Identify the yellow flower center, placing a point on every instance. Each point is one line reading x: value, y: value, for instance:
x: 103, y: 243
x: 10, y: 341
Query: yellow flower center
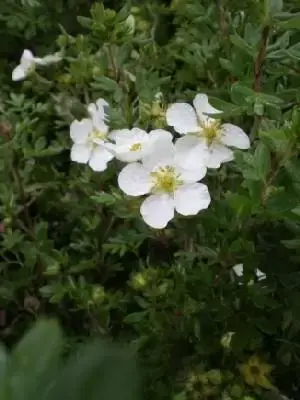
x: 96, y: 134
x: 210, y: 130
x: 136, y: 147
x: 165, y: 180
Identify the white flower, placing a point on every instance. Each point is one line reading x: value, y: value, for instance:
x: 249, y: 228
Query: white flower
x: 28, y: 63
x: 239, y: 271
x: 132, y: 145
x: 170, y: 186
x: 90, y: 138
x: 206, y: 131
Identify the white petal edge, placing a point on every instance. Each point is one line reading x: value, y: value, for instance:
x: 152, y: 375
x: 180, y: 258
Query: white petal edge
x: 162, y: 153
x: 238, y: 270
x: 99, y: 159
x: 191, y: 198
x: 191, y: 175
x: 135, y: 135
x: 126, y: 155
x: 80, y: 153
x: 219, y: 154
x: 191, y: 152
x: 27, y: 59
x: 203, y: 107
x: 18, y: 74
x: 117, y: 134
x: 234, y: 136
x: 79, y: 130
x: 182, y: 117
x: 134, y: 180
x: 260, y: 275
x: 157, y: 210
x: 160, y: 134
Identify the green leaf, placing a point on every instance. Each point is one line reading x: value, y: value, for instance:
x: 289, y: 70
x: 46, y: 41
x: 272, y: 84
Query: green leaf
x: 85, y: 22
x: 106, y: 84
x: 241, y: 44
x: 293, y: 23
x: 274, y: 6
x: 262, y: 161
x: 35, y: 360
x: 135, y: 317
x: 104, y: 198
x: 241, y: 94
x: 99, y: 370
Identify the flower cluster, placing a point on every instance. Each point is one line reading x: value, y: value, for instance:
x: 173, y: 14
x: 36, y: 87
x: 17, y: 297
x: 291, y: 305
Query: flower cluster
x: 168, y: 171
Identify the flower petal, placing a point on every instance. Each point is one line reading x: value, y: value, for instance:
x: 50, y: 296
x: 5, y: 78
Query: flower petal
x: 157, y: 210
x: 27, y: 59
x: 123, y: 153
x: 234, y: 136
x: 260, y: 275
x: 119, y: 135
x: 80, y: 153
x: 99, y: 124
x: 99, y: 108
x: 134, y: 180
x: 160, y: 134
x: 79, y: 130
x: 99, y: 158
x: 203, y: 107
x: 191, y: 152
x: 182, y: 117
x: 238, y: 270
x: 18, y: 73
x: 161, y: 154
x: 191, y: 198
x: 218, y: 154
x: 192, y: 175
x: 135, y: 135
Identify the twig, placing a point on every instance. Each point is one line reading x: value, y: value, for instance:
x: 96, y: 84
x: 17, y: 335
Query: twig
x: 113, y: 64
x: 259, y: 61
x: 223, y: 24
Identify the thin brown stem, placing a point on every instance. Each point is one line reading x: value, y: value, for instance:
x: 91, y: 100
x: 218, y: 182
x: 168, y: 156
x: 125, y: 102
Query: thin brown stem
x: 222, y: 19
x: 113, y: 65
x: 259, y: 61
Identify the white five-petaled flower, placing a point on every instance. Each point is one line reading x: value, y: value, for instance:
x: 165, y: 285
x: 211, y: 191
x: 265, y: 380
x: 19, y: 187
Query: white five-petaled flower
x: 90, y: 137
x: 239, y: 271
x: 170, y: 186
x: 134, y: 144
x: 206, y: 137
x: 28, y: 63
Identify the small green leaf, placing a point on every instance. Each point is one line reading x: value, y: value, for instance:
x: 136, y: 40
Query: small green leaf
x: 241, y: 44
x: 106, y: 84
x: 262, y: 161
x: 274, y: 6
x: 85, y: 22
x: 293, y: 23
